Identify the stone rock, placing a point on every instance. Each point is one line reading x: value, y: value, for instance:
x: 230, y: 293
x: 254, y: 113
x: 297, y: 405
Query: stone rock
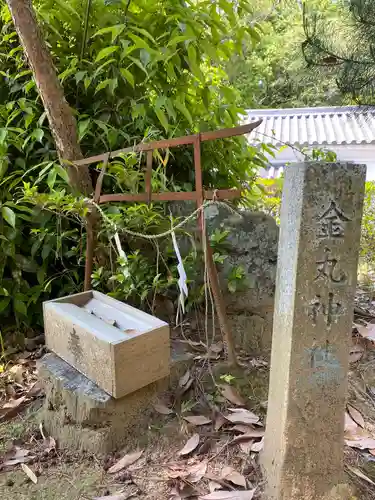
x: 81, y: 416
x: 252, y: 244
x: 252, y: 332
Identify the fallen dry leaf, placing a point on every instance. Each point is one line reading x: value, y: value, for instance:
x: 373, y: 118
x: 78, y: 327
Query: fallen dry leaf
x: 49, y: 444
x: 120, y: 496
x: 231, y: 394
x: 206, y: 446
x: 246, y: 446
x: 183, y: 491
x: 258, y: 446
x: 29, y: 473
x: 176, y: 471
x: 14, y: 403
x: 16, y: 373
x: 356, y: 415
x: 220, y: 420
x: 216, y: 348
x: 361, y: 443
x: 190, y: 445
x: 360, y: 474
x: 12, y: 408
x: 125, y: 461
x: 34, y: 390
x: 17, y: 461
x: 196, y: 472
x: 229, y: 495
x: 242, y: 417
x: 17, y: 456
x: 198, y: 420
x: 184, y: 379
x: 162, y: 409
x: 214, y: 486
x: 243, y: 428
x: 368, y: 332
x: 255, y: 433
x: 356, y: 353
x: 350, y: 425
x: 231, y: 475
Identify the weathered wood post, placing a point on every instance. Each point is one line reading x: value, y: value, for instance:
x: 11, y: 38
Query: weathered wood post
x: 317, y: 269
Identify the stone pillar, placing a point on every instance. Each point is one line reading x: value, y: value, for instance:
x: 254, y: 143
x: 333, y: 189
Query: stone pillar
x: 316, y: 279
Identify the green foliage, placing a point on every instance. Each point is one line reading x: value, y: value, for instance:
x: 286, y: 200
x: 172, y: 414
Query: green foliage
x: 271, y: 189
x: 368, y: 226
x: 131, y: 72
x: 273, y: 73
x: 345, y: 49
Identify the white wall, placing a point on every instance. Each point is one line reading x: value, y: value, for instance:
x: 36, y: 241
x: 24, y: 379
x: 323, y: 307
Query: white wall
x: 356, y: 153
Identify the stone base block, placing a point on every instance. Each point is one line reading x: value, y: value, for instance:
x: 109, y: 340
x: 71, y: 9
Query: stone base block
x: 81, y: 416
x: 252, y: 332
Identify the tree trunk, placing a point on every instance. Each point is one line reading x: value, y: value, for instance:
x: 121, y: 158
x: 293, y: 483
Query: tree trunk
x: 61, y: 120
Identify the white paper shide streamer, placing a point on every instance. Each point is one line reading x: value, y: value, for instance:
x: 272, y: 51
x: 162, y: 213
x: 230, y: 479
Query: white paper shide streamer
x: 182, y: 280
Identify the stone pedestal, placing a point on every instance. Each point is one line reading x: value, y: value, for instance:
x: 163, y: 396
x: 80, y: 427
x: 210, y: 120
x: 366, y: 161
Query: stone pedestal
x: 316, y: 279
x: 81, y: 416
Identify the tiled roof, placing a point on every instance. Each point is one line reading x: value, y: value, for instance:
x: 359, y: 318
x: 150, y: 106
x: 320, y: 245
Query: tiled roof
x: 314, y: 126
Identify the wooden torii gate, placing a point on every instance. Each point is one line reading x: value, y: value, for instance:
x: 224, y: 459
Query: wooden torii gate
x: 199, y: 196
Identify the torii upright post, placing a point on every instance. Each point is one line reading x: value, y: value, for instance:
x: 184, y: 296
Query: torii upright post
x: 199, y: 195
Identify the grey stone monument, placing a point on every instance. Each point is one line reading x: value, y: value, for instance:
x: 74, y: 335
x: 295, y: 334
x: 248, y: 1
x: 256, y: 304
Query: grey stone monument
x: 316, y: 279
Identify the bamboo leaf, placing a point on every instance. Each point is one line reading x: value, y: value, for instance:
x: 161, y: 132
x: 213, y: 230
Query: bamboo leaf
x: 128, y: 76
x: 106, y: 52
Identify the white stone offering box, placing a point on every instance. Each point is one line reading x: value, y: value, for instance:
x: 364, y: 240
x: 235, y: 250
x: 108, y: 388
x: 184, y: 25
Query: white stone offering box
x: 119, y: 347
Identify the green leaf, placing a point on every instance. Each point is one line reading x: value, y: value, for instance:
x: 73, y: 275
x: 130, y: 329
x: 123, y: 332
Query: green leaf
x: 170, y: 109
x: 51, y: 179
x: 80, y: 75
x: 4, y: 304
x: 178, y: 39
x: 139, y: 42
x: 139, y: 64
x: 115, y: 31
x: 128, y: 76
x: 193, y: 63
x: 28, y: 86
x: 144, y: 33
x: 107, y: 51
x: 145, y: 57
x: 9, y: 216
x: 87, y: 83
x: 20, y: 307
x: 162, y: 118
x: 3, y: 135
x: 103, y: 85
x: 61, y: 172
x: 38, y: 133
x: 41, y: 275
x: 183, y: 109
x: 83, y: 127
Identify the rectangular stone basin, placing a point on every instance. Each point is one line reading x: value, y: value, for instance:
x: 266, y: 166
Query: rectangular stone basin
x: 119, y: 347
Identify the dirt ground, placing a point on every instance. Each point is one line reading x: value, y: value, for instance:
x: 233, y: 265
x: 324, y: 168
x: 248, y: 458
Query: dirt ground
x: 161, y: 472
x: 77, y: 476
